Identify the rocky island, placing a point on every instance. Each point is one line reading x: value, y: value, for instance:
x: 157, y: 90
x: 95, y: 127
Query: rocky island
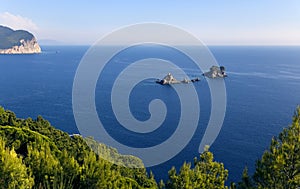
x: 17, y: 42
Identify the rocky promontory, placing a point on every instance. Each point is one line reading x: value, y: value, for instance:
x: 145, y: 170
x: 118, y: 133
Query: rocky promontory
x: 17, y: 42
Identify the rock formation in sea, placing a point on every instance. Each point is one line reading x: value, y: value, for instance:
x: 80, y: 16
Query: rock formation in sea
x: 17, y: 42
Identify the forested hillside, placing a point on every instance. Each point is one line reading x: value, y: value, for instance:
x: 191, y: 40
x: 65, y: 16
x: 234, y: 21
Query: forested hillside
x: 33, y: 154
x: 10, y: 38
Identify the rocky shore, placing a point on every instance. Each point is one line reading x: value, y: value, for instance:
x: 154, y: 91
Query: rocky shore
x: 25, y: 47
x: 17, y: 42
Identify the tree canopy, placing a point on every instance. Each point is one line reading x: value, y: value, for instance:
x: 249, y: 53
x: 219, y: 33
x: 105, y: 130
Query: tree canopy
x: 10, y: 38
x: 279, y: 166
x: 206, y: 173
x: 33, y: 154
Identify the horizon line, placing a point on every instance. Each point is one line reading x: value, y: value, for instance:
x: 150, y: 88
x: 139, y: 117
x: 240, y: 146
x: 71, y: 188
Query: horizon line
x: 213, y: 44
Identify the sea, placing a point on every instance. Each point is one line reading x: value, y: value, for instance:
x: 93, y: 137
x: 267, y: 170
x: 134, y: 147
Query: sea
x: 262, y: 92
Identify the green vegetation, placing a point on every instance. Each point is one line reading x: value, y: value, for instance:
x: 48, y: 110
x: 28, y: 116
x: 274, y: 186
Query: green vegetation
x: 205, y: 174
x: 279, y: 167
x: 10, y: 38
x: 13, y: 173
x: 112, y: 155
x: 33, y: 154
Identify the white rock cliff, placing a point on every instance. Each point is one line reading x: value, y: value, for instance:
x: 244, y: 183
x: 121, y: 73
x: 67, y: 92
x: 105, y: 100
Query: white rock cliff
x: 25, y: 47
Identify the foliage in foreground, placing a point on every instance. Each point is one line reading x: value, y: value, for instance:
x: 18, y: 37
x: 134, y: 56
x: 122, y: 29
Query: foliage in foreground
x: 279, y: 167
x: 206, y: 173
x: 13, y: 173
x: 33, y: 154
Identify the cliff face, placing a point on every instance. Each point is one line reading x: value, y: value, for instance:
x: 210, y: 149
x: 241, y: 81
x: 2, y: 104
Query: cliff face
x: 25, y: 47
x: 17, y: 42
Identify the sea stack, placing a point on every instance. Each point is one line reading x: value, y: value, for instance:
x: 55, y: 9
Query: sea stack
x: 17, y: 42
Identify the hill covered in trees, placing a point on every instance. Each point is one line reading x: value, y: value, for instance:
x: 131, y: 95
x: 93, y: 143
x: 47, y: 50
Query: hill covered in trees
x: 33, y: 154
x: 17, y: 41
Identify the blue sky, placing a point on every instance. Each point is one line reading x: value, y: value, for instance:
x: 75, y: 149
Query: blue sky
x: 230, y: 22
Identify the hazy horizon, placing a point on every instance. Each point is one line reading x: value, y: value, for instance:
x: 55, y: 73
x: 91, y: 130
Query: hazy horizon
x: 269, y: 22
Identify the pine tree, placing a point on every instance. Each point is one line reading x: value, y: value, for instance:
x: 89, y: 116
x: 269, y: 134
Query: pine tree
x: 44, y: 166
x: 246, y: 182
x: 13, y: 173
x: 206, y: 174
x: 279, y: 167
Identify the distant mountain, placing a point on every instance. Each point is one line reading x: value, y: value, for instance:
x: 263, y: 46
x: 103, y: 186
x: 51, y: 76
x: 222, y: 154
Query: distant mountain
x: 50, y: 42
x: 17, y: 42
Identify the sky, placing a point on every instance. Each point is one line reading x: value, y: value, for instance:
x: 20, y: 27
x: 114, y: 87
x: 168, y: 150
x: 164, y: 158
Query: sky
x: 214, y: 22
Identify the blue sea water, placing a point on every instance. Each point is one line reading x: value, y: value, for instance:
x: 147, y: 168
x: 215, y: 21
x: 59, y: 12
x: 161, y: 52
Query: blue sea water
x: 263, y: 89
